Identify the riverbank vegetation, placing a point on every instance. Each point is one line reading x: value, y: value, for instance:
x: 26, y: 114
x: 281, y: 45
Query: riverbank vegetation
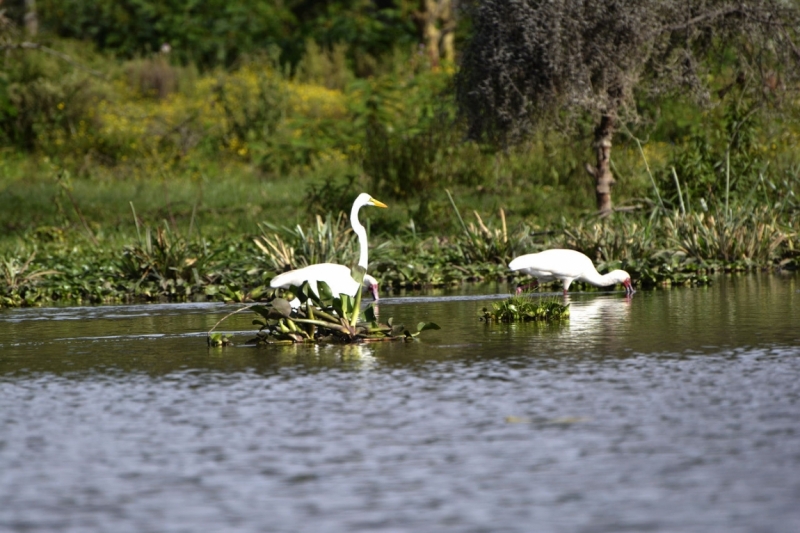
x: 132, y: 170
x: 299, y: 315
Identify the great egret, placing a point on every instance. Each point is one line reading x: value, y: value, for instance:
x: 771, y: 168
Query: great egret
x: 338, y: 277
x: 568, y: 266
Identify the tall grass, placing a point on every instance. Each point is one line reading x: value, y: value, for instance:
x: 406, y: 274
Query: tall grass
x: 329, y: 240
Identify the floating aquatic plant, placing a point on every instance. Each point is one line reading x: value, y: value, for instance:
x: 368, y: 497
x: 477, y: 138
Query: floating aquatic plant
x: 219, y: 339
x: 320, y: 318
x: 526, y: 308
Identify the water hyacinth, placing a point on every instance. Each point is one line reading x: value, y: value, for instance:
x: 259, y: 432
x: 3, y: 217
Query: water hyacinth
x: 526, y: 308
x: 320, y: 319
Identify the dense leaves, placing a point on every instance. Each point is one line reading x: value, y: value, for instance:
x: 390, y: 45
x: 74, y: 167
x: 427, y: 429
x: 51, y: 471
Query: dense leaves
x: 529, y: 59
x: 526, y: 308
x: 218, y: 32
x: 208, y: 33
x: 322, y: 318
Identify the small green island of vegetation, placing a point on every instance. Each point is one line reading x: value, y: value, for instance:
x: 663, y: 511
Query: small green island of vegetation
x: 153, y: 151
x: 300, y: 315
x: 524, y: 307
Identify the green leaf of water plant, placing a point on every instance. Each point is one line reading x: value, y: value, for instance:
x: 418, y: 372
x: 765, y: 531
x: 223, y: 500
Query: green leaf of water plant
x: 423, y: 326
x: 256, y: 293
x: 347, y: 304
x: 338, y: 307
x: 304, y: 292
x: 325, y: 292
x: 282, y: 306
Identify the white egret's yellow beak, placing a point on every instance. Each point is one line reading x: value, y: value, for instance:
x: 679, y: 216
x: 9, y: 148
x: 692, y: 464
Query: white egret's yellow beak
x: 376, y: 203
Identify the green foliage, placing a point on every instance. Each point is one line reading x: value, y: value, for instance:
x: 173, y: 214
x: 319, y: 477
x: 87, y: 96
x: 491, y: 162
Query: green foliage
x: 153, y: 77
x: 681, y: 249
x: 254, y: 106
x: 212, y: 32
x: 18, y: 282
x: 526, y: 308
x: 219, y: 339
x: 218, y: 32
x: 328, y: 241
x: 166, y: 265
x: 483, y: 245
x: 406, y: 164
x: 721, y: 159
x: 329, y: 196
x: 43, y: 101
x: 370, y: 29
x: 324, y: 319
x: 324, y: 66
x: 747, y: 237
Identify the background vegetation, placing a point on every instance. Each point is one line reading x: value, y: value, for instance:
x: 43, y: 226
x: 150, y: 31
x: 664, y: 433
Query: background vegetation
x: 133, y: 169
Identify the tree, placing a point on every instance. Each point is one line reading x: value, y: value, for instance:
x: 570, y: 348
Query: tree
x: 536, y: 62
x: 437, y: 22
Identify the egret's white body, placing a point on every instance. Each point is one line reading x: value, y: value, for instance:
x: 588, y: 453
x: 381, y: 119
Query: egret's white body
x: 338, y: 277
x: 568, y: 266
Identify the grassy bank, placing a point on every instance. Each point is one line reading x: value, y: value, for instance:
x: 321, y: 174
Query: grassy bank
x: 144, y: 179
x: 157, y: 262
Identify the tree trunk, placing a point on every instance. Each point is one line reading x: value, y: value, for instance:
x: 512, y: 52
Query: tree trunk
x: 430, y: 31
x: 31, y: 20
x: 448, y: 17
x: 437, y: 19
x: 603, y: 179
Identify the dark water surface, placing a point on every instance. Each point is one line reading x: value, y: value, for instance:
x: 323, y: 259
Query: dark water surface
x: 676, y: 411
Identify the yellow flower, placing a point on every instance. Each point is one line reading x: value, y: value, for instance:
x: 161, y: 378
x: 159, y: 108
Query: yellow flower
x: 60, y: 105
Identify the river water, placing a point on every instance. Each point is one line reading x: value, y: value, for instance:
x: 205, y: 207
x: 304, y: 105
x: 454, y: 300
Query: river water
x: 678, y: 410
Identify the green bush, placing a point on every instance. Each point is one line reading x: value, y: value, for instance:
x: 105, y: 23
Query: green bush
x: 208, y: 33
x: 44, y: 102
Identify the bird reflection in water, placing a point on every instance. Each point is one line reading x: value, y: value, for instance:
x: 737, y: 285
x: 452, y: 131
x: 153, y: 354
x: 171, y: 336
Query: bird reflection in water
x: 598, y: 316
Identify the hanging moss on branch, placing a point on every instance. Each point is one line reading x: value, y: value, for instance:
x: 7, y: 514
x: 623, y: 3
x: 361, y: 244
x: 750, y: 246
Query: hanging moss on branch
x: 320, y: 319
x: 526, y: 308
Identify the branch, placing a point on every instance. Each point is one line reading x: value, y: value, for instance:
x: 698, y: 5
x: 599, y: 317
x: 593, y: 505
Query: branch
x: 25, y: 45
x: 701, y: 18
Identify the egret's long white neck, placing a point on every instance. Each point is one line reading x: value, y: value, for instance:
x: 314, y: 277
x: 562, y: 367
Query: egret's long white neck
x: 363, y: 258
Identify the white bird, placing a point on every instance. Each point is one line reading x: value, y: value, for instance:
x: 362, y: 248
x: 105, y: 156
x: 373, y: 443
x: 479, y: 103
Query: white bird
x: 338, y: 277
x: 568, y: 266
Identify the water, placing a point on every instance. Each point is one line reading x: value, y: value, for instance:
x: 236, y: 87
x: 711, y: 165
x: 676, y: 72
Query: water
x: 676, y: 411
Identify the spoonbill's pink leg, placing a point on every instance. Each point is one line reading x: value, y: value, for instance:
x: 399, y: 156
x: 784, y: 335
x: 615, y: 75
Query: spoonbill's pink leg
x: 521, y: 288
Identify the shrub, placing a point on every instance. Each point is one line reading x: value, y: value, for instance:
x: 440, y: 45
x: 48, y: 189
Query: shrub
x: 328, y: 241
x: 153, y: 77
x: 43, y: 102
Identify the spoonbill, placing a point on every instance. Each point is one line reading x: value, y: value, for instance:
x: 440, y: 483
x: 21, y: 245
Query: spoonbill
x: 338, y: 277
x: 568, y: 266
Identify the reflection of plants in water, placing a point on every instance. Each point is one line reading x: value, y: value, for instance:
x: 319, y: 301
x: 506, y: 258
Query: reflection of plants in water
x: 526, y: 308
x: 321, y: 318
